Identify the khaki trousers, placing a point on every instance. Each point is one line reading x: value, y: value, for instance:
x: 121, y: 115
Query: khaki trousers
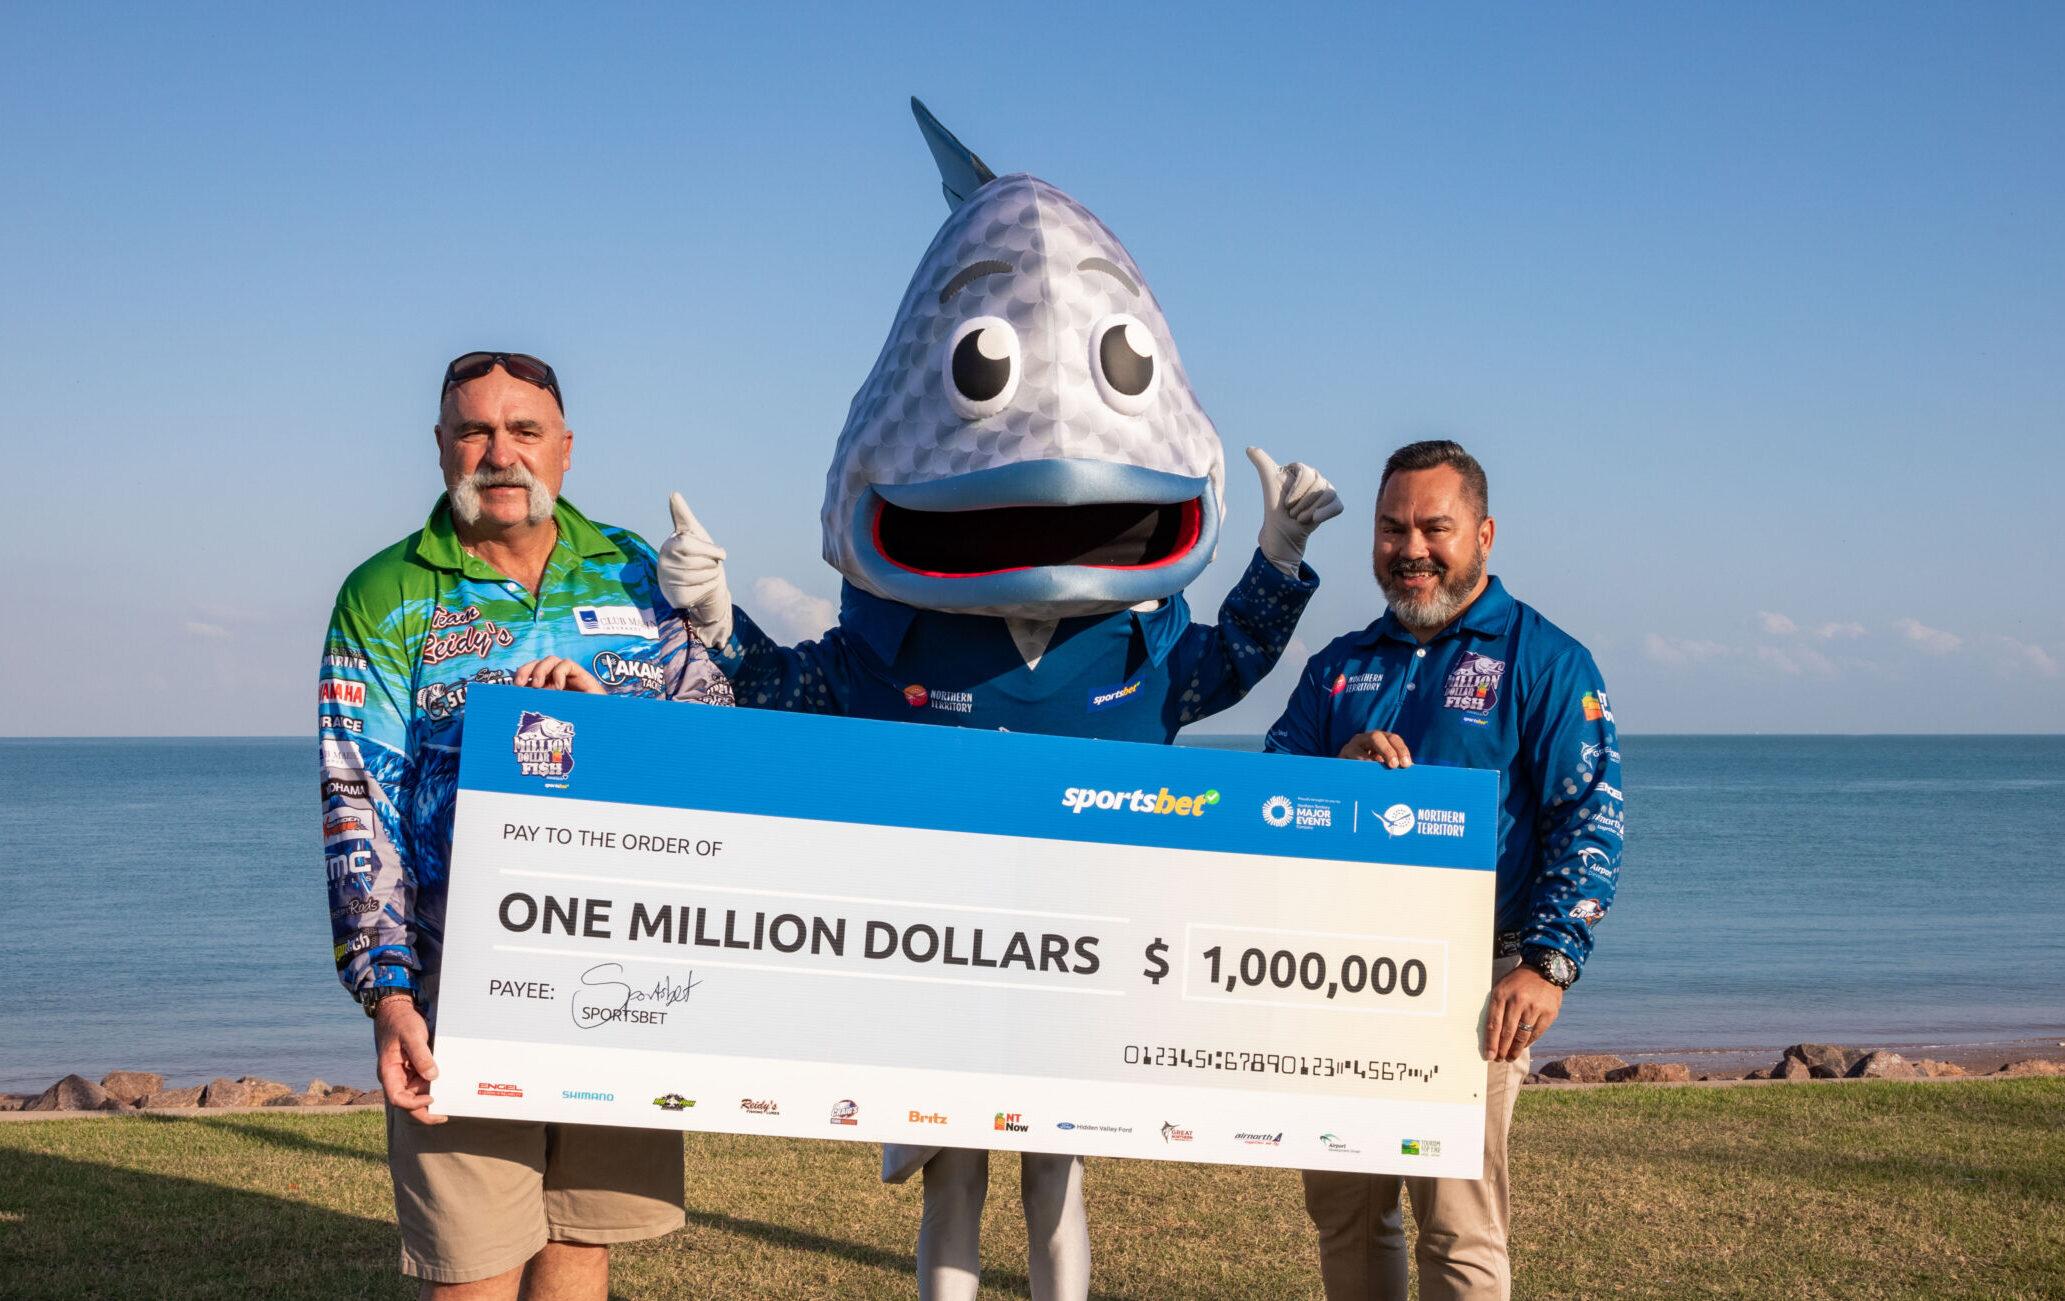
x: 1462, y: 1222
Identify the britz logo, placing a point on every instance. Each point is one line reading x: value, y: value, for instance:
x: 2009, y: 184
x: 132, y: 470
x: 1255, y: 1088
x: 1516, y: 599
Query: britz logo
x: 1078, y: 798
x: 341, y: 691
x: 544, y: 745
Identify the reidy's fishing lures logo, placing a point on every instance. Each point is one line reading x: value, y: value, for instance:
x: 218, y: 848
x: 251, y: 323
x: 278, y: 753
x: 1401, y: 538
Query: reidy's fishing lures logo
x: 544, y: 746
x: 1077, y: 798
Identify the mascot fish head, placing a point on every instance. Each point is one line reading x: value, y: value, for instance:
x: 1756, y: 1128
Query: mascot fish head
x: 1027, y: 444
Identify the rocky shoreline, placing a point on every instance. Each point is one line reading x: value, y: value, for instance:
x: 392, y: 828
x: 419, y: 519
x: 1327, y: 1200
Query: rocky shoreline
x: 146, y: 1091
x: 1807, y: 1061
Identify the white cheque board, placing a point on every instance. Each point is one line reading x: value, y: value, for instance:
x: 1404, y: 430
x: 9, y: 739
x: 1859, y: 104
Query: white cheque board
x: 677, y: 916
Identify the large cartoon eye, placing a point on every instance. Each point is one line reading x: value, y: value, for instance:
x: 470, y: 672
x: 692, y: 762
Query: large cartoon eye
x: 1122, y: 358
x: 982, y: 366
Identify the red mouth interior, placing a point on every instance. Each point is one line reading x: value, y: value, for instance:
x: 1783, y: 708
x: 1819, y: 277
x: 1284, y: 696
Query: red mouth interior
x: 977, y: 543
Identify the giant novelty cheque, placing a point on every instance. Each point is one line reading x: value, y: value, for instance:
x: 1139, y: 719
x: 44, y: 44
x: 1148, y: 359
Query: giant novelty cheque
x: 673, y: 916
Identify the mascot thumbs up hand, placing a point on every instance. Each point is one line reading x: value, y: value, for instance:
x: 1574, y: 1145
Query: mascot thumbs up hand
x: 692, y: 577
x: 1296, y: 499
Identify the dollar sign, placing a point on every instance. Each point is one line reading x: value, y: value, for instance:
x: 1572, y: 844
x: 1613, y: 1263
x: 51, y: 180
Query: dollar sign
x: 1157, y: 967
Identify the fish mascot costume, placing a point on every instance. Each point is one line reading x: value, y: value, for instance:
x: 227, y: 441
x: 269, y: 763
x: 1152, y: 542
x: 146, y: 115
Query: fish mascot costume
x: 1023, y: 489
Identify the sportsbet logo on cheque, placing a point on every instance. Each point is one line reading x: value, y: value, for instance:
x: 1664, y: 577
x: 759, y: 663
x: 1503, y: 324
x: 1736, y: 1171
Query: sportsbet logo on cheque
x: 1078, y: 798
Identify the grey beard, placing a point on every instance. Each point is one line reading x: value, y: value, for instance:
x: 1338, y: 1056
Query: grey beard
x: 466, y: 504
x: 1434, y: 611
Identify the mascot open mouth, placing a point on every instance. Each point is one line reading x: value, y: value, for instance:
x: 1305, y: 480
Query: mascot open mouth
x: 1001, y: 539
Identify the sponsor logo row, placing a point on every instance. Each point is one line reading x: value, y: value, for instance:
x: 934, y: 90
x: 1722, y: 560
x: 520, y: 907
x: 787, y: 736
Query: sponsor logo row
x: 848, y: 1112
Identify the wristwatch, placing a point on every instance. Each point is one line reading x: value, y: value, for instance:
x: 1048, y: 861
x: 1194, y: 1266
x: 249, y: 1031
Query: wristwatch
x: 371, y: 999
x: 1554, y: 967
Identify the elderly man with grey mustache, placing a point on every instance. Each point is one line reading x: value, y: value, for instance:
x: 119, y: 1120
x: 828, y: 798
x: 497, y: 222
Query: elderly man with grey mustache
x: 505, y: 583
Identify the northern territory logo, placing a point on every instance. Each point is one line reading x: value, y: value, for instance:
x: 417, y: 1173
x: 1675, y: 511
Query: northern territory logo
x: 544, y: 746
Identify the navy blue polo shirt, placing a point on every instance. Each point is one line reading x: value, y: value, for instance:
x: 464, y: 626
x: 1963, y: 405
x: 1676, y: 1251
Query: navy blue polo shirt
x: 1134, y: 675
x: 1503, y: 689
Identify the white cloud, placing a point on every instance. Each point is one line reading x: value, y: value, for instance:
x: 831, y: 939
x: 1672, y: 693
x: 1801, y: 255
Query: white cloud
x: 2022, y: 655
x: 1832, y: 631
x: 199, y: 629
x: 1680, y: 651
x: 1776, y: 624
x: 789, y: 613
x: 1933, y: 641
x: 1796, y: 661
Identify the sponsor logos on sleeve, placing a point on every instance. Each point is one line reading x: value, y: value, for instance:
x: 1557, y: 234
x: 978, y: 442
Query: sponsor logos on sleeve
x: 341, y: 691
x: 1596, y: 707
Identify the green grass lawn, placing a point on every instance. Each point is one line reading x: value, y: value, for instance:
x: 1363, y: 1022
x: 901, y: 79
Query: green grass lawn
x: 1854, y: 1190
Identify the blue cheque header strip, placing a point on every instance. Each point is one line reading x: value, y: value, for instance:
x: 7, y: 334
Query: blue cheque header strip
x: 824, y: 769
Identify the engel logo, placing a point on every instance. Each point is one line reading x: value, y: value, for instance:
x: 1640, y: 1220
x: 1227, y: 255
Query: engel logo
x: 1078, y: 798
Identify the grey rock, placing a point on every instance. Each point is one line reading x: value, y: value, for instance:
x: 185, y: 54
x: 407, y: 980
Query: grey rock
x: 1791, y: 1068
x: 131, y: 1086
x: 1651, y: 1073
x: 189, y: 1097
x: 370, y: 1098
x: 225, y: 1092
x: 1883, y: 1065
x: 1582, y: 1068
x: 72, y: 1093
x: 15, y: 1101
x: 2033, y: 1066
x: 1821, y: 1072
x: 1935, y: 1070
x: 1757, y: 1073
x: 1836, y: 1057
x: 263, y: 1090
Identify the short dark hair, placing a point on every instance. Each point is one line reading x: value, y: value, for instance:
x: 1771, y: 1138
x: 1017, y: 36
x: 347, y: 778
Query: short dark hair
x: 1435, y: 453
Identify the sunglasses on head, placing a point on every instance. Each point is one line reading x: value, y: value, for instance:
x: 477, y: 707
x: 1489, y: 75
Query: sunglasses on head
x: 520, y: 365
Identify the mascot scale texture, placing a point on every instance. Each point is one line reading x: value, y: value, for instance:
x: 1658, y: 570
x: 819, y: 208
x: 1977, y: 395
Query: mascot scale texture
x: 1024, y: 486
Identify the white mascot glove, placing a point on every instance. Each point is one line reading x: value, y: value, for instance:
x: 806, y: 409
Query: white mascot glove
x: 692, y: 576
x: 1296, y: 499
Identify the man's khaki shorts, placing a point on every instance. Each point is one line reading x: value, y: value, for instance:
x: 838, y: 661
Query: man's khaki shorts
x: 476, y: 1198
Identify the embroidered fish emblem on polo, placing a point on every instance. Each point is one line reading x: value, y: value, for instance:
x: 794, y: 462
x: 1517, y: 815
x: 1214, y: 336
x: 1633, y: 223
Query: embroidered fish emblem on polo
x: 1473, y: 684
x: 1027, y: 442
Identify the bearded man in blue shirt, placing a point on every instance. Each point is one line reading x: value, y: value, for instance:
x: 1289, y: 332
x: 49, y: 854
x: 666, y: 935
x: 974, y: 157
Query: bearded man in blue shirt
x: 1458, y: 673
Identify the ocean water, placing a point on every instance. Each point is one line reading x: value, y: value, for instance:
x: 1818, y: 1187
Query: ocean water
x: 164, y: 903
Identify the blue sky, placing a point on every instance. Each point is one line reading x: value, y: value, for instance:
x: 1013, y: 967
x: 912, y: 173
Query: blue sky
x: 1756, y: 316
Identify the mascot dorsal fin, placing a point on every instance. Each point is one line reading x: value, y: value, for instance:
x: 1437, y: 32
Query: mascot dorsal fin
x: 961, y: 173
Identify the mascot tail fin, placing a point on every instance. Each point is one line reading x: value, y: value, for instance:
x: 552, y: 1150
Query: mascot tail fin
x: 961, y: 173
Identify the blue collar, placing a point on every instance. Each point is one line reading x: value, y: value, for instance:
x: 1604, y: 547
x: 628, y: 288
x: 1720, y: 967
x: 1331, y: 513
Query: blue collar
x: 1490, y: 615
x: 883, y: 624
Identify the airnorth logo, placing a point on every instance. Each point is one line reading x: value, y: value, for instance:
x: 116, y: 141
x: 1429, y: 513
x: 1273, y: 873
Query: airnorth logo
x: 1078, y: 798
